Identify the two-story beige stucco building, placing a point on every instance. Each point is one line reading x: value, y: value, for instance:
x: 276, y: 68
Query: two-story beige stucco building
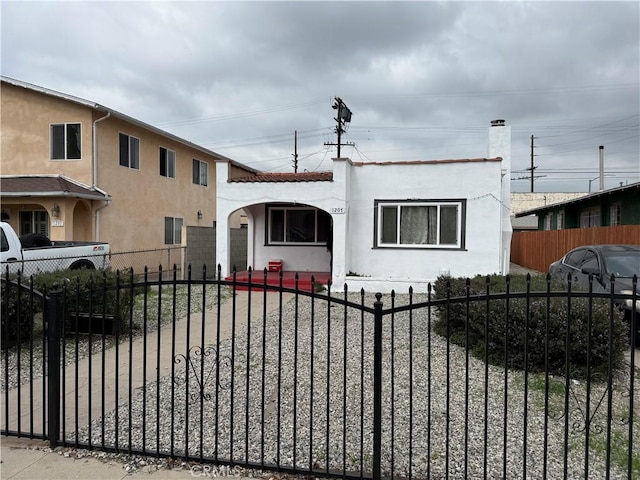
x: 76, y: 170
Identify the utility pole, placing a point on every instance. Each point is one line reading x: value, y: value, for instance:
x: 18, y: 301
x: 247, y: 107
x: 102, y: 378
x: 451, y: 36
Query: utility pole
x: 532, y: 166
x: 342, y: 118
x: 295, y: 151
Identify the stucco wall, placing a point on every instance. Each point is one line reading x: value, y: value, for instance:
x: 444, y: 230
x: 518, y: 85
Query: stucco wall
x: 477, y: 184
x: 25, y: 128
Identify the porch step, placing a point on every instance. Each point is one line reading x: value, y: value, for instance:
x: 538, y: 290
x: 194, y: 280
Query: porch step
x: 288, y: 280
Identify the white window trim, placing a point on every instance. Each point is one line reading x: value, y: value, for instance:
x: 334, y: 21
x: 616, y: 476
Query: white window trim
x: 167, y: 162
x: 285, y: 242
x: 438, y: 204
x: 560, y: 219
x: 200, y: 162
x: 129, y: 159
x: 615, y: 211
x: 175, y: 232
x: 65, y: 159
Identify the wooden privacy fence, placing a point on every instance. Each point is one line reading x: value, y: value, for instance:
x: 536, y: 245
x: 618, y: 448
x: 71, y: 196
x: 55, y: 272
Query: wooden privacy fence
x: 536, y: 250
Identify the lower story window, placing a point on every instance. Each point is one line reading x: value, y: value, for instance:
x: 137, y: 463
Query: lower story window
x: 419, y: 224
x: 172, y: 230
x: 615, y: 215
x: 298, y: 225
x: 36, y: 221
x: 590, y: 218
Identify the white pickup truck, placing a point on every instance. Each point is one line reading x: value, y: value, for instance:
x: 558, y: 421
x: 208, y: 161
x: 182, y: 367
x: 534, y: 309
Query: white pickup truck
x: 32, y: 254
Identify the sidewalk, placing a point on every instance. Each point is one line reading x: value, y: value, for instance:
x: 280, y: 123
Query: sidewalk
x: 24, y: 459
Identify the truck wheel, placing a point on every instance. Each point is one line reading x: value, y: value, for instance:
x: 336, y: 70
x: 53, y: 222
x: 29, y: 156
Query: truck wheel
x: 82, y: 265
x: 34, y: 240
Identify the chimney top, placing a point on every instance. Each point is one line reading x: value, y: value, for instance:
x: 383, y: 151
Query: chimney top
x: 497, y: 123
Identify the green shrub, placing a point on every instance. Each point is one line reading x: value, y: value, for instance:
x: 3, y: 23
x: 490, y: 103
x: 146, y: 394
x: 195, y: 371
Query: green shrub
x: 85, y: 291
x: 18, y: 310
x: 487, y: 325
x: 88, y: 291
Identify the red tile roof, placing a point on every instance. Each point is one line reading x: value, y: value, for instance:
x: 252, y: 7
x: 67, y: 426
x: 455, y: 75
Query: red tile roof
x: 285, y: 177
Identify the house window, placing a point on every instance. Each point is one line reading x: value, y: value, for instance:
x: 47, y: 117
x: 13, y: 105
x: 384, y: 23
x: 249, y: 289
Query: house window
x: 36, y: 221
x: 66, y: 141
x: 129, y: 151
x: 172, y: 230
x: 167, y: 163
x: 547, y: 221
x: 560, y: 220
x: 590, y: 218
x: 615, y: 215
x: 419, y: 224
x: 298, y: 225
x: 200, y: 172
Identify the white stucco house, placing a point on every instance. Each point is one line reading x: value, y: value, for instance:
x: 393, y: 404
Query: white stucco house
x: 378, y: 226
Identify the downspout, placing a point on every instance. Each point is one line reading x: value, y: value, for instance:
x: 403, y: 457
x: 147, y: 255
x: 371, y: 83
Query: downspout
x: 94, y: 133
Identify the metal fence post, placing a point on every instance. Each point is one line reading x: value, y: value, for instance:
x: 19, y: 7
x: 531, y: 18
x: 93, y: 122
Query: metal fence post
x: 377, y: 387
x: 54, y: 322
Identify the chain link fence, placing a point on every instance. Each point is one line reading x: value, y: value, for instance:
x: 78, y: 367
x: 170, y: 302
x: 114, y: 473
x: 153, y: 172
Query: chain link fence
x: 153, y: 260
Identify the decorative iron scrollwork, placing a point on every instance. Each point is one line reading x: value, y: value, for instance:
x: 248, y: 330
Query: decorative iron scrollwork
x: 600, y: 389
x: 204, y: 366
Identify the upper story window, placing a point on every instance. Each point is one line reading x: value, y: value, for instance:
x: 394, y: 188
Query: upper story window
x: 129, y: 151
x: 420, y: 224
x: 167, y: 163
x: 200, y: 172
x: 298, y: 225
x: 66, y: 141
x: 560, y: 220
x: 615, y: 214
x: 590, y: 218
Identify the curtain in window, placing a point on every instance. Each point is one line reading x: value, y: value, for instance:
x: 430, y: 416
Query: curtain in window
x: 418, y: 225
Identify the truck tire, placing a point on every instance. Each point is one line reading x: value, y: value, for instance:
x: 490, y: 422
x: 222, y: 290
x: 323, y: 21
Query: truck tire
x: 82, y: 265
x: 34, y: 240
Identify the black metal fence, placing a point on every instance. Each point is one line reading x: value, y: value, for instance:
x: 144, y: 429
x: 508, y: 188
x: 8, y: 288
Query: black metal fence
x: 335, y: 383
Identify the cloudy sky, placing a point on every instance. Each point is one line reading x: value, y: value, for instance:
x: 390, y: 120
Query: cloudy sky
x: 423, y: 79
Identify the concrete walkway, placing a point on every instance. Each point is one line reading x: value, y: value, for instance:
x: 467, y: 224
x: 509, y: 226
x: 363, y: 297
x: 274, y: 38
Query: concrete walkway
x: 150, y: 358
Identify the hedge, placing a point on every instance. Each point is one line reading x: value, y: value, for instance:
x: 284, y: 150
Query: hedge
x: 547, y: 319
x: 90, y: 291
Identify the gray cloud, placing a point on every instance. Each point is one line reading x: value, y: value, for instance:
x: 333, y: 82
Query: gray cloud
x: 422, y: 78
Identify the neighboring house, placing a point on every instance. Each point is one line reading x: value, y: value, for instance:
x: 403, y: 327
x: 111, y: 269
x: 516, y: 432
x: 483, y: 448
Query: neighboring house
x: 76, y: 170
x: 379, y: 226
x: 526, y: 201
x: 616, y: 206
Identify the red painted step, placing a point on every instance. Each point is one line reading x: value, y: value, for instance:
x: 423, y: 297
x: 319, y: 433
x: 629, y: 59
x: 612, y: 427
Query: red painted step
x: 273, y: 278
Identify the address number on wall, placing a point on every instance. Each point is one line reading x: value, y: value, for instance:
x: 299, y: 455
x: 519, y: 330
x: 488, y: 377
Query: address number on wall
x: 337, y: 210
